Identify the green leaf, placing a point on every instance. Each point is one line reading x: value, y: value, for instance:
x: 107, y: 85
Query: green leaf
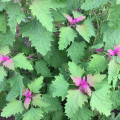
x: 86, y: 30
x: 115, y: 98
x: 114, y: 13
x: 6, y: 0
x: 113, y: 70
x: 82, y: 114
x: 111, y: 37
x: 4, y: 50
x: 67, y: 35
x: 2, y: 5
x: 97, y: 64
x: 7, y: 39
x: 76, y: 51
x: 39, y: 101
x: 3, y: 86
x: 38, y: 35
x: 21, y: 62
x: 75, y: 99
x: 2, y: 99
x: 42, y: 68
x: 77, y: 14
x: 73, y: 4
x: 118, y: 2
x: 35, y: 85
x: 102, y: 84
x: 53, y: 104
x: 3, y: 23
x: 2, y: 74
x: 33, y: 114
x: 93, y: 80
x: 12, y: 108
x: 59, y: 115
x: 15, y: 15
x: 100, y: 101
x: 75, y: 70
x: 90, y: 4
x: 58, y: 15
x: 59, y: 87
x: 56, y: 58
x: 43, y: 13
x: 16, y: 88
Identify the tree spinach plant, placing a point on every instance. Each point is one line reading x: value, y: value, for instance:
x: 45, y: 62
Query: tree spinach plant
x: 60, y: 59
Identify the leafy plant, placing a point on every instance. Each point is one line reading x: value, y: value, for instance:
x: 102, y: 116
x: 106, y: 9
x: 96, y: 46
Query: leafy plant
x: 60, y: 59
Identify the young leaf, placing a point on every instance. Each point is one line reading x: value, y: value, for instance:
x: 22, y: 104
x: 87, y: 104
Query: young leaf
x: 75, y: 70
x: 21, y: 62
x: 12, y: 108
x: 4, y: 50
x: 9, y: 64
x: 94, y: 79
x: 86, y: 30
x: 36, y: 85
x: 59, y: 87
x: 75, y: 100
x: 33, y: 114
x: 67, y: 35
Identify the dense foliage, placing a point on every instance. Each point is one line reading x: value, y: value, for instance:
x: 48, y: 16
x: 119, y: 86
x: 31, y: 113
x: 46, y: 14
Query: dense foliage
x: 60, y: 59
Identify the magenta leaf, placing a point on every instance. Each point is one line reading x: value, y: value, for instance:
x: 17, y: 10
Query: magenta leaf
x: 27, y: 102
x: 6, y: 58
x: 25, y: 91
x: 111, y: 52
x: 90, y: 79
x: 76, y: 80
x: 99, y: 50
x: 69, y: 18
x: 28, y: 95
x: 83, y: 86
x: 75, y: 20
x: 9, y: 64
x: 80, y: 19
x: 85, y: 89
x: 1, y: 58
